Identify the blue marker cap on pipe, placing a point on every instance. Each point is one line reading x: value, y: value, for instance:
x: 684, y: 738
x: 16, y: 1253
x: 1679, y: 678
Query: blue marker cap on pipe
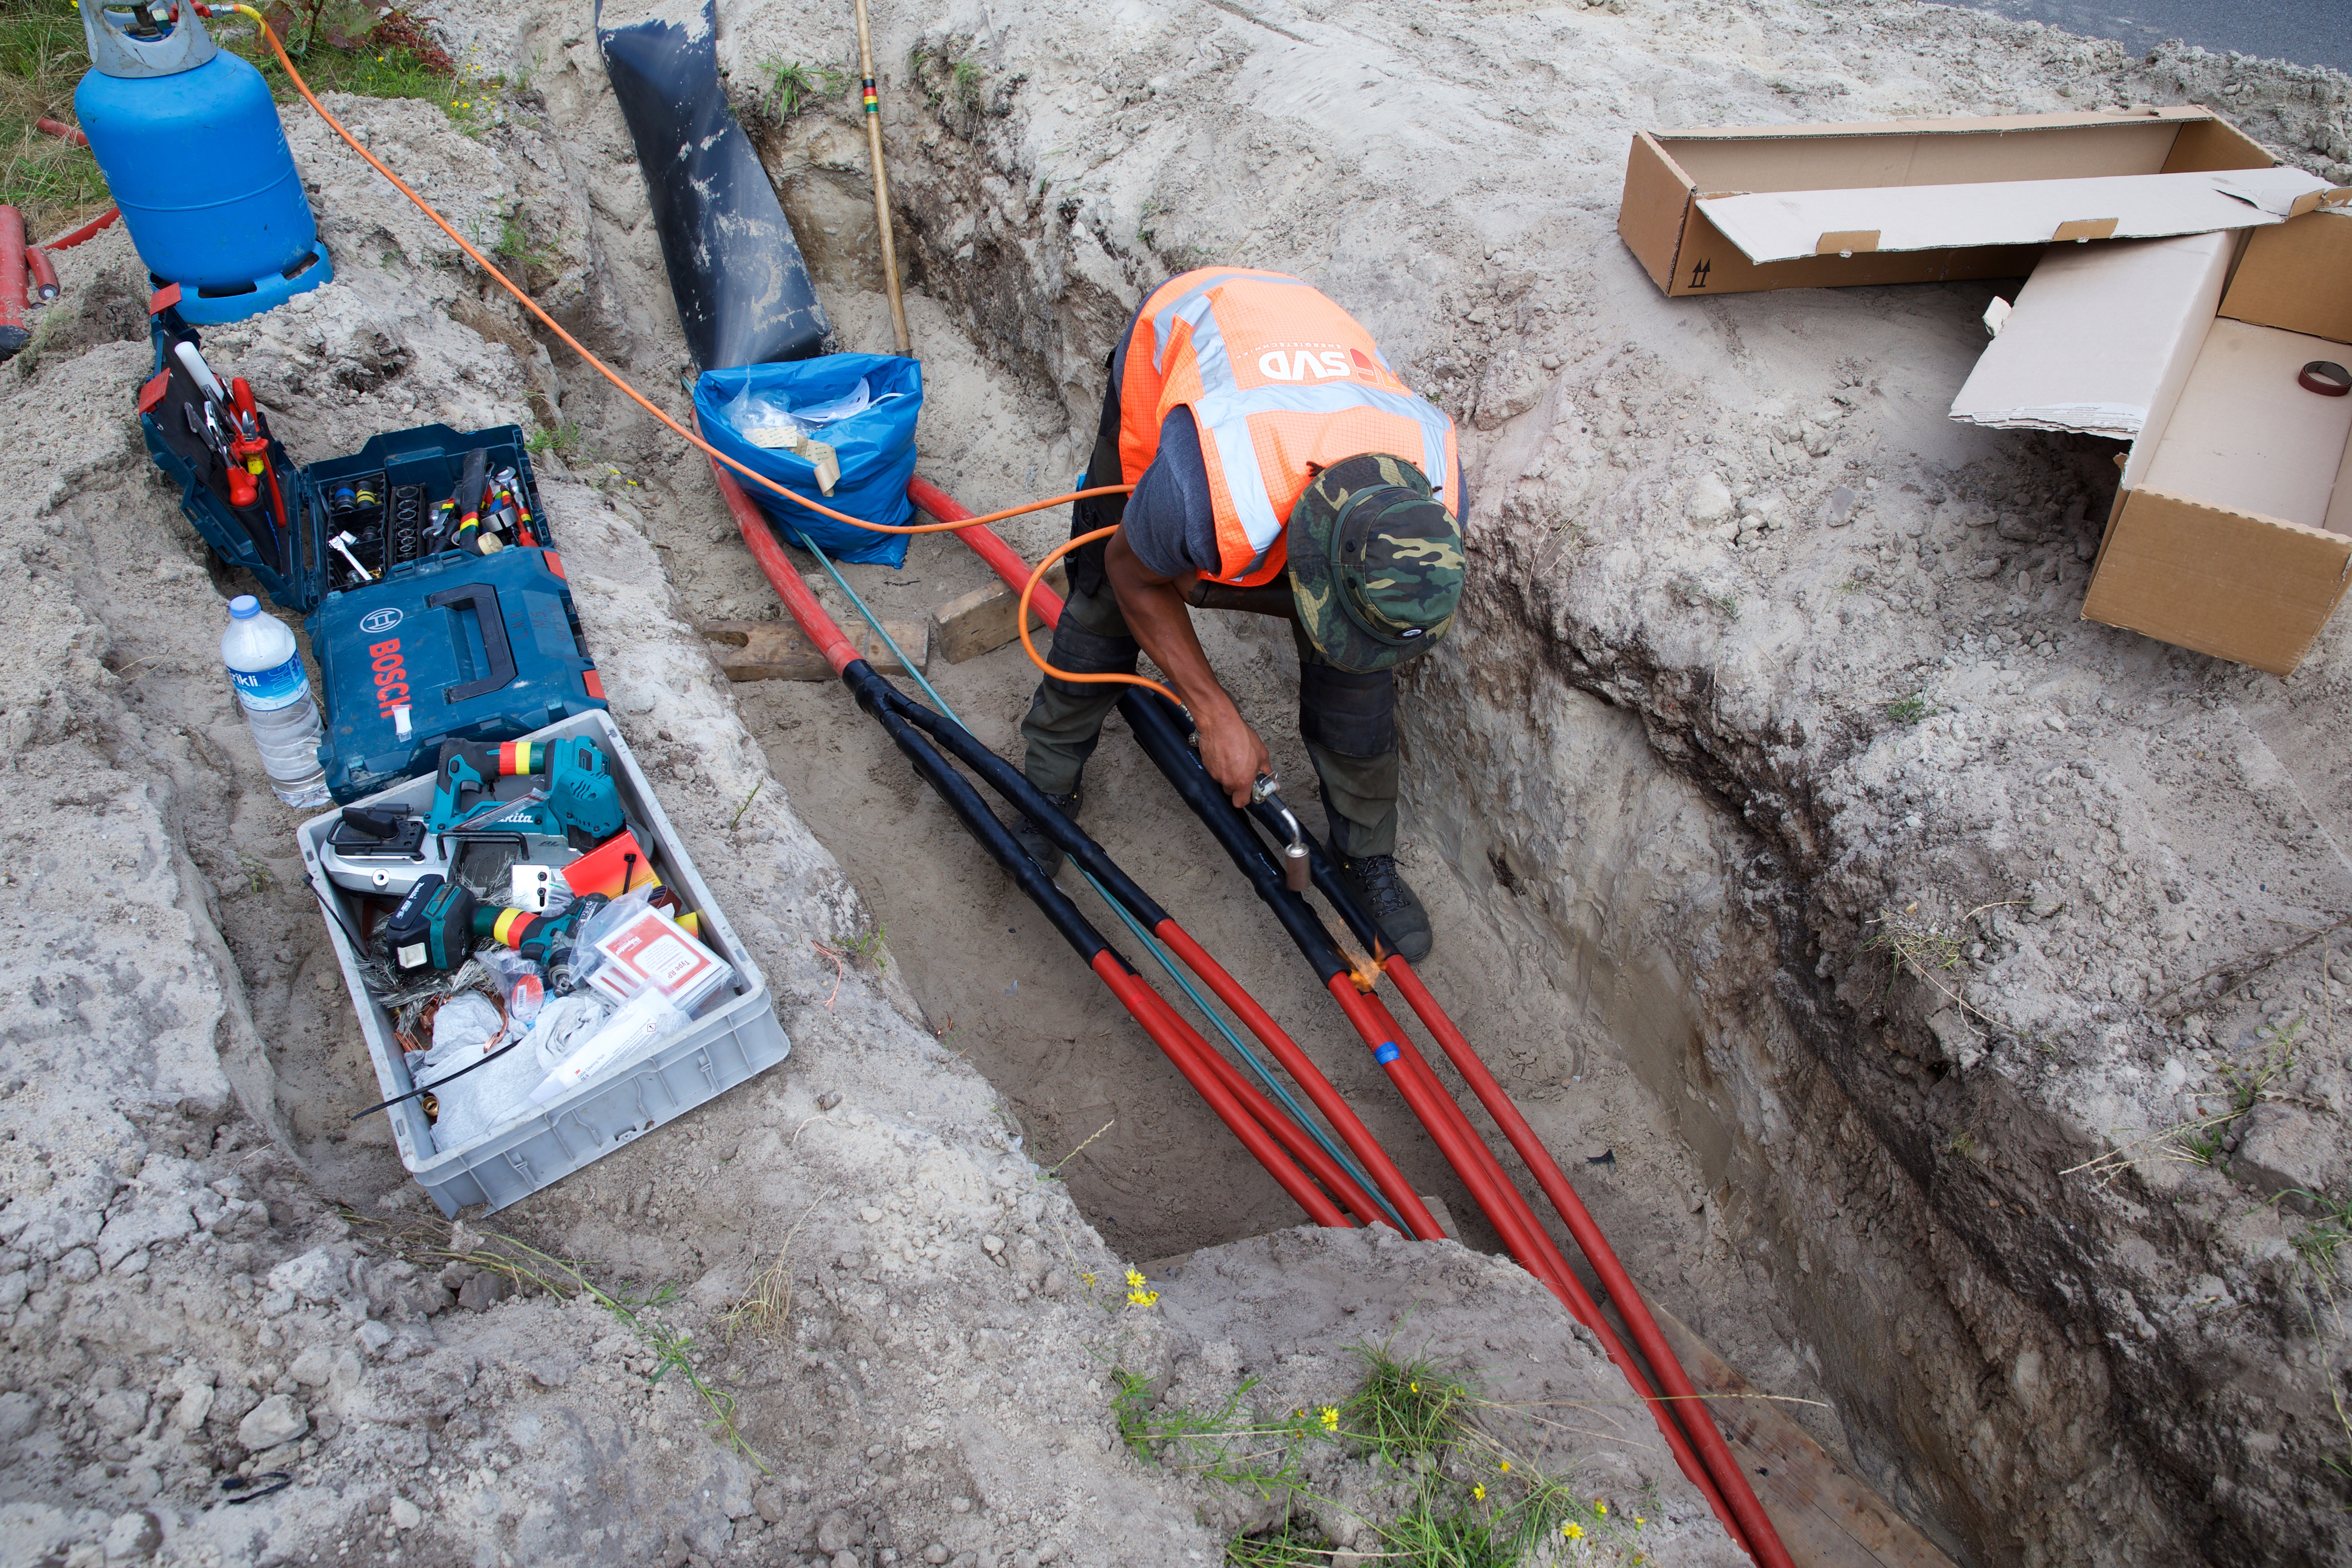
x: 1385, y: 1052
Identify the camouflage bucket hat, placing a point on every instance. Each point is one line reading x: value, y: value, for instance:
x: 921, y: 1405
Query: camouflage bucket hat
x: 1375, y: 562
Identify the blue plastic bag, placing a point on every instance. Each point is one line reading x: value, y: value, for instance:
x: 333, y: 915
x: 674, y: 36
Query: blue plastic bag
x: 875, y: 447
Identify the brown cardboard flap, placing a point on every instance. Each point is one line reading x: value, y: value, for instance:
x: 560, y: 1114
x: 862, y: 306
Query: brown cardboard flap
x: 1845, y: 242
x: 1650, y: 216
x: 2255, y: 590
x: 2084, y: 228
x: 2213, y: 144
x: 2297, y: 277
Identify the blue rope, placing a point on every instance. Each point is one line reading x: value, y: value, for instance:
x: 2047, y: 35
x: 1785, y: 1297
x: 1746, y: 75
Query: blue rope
x: 1258, y: 1070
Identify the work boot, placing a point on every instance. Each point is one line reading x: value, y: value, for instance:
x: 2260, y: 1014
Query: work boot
x: 1032, y: 839
x: 1378, y: 883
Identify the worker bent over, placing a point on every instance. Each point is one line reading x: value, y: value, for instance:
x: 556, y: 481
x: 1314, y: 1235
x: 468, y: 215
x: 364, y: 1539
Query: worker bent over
x: 1279, y: 467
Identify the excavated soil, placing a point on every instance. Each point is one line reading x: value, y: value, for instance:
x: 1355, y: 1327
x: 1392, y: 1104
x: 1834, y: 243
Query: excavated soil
x: 1830, y: 897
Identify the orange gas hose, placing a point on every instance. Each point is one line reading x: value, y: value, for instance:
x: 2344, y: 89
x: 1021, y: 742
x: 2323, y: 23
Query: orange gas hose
x: 607, y: 372
x: 683, y: 434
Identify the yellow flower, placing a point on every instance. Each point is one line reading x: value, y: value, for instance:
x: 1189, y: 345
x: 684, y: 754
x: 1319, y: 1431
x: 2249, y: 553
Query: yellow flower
x: 1479, y: 1491
x: 1506, y: 1467
x: 1416, y: 1388
x: 1134, y: 1281
x: 1639, y: 1522
x: 1087, y: 1277
x: 1574, y: 1532
x: 1330, y: 1419
x: 1600, y: 1508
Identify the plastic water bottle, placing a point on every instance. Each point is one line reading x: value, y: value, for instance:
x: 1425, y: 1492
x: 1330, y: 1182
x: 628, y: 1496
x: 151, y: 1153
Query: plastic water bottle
x: 265, y: 667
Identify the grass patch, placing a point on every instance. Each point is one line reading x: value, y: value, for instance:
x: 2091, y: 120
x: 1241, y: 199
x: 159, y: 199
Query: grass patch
x: 671, y: 1346
x: 1463, y: 1501
x: 338, y: 46
x: 562, y: 440
x: 793, y: 86
x: 42, y: 57
x: 1908, y: 709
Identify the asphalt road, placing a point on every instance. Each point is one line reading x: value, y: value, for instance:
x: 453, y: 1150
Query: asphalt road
x: 2307, y: 32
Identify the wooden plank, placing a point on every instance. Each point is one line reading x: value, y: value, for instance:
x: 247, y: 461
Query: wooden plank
x: 775, y: 650
x: 982, y: 621
x: 1827, y: 1518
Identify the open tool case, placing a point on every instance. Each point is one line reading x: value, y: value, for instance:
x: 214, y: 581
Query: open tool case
x: 383, y: 496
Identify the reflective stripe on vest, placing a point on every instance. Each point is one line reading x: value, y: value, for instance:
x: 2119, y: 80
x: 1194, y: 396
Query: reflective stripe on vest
x: 1296, y: 424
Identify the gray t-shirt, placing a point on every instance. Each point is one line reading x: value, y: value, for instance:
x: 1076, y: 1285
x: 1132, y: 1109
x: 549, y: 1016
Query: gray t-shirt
x: 1171, y: 523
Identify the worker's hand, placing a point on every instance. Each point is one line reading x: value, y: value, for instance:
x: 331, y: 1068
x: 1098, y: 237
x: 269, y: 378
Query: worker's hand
x: 1232, y: 752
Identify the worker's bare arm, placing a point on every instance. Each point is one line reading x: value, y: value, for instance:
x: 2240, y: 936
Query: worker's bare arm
x: 1156, y: 613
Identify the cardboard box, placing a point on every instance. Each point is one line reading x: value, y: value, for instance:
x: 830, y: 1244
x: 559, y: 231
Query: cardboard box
x: 1867, y: 216
x: 2231, y: 532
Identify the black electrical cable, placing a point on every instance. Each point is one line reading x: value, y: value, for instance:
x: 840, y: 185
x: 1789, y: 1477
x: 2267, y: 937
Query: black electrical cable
x: 875, y: 694
x: 1009, y: 781
x: 1153, y: 721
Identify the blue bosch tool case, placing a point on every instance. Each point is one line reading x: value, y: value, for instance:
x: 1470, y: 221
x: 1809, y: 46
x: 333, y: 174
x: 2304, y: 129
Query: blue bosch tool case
x: 454, y: 647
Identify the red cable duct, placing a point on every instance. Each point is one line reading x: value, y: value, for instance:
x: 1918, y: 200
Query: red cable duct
x: 14, y: 334
x: 1340, y: 1186
x: 1001, y: 557
x: 72, y: 238
x: 1614, y: 1280
x: 1511, y: 1216
x: 1303, y: 1071
x: 1167, y: 1031
x: 68, y: 134
x: 1734, y: 1500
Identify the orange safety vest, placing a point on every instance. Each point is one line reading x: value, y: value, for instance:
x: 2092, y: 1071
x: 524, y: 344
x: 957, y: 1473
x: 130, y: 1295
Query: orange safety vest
x: 1282, y: 384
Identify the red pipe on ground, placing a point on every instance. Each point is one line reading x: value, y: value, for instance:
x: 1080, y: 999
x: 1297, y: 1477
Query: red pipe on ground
x: 1449, y: 1128
x: 14, y: 333
x: 68, y: 134
x: 1639, y: 1323
x: 1158, y: 1020
x: 1303, y: 1071
x: 74, y: 236
x: 45, y: 277
x: 783, y: 575
x: 1341, y: 1187
x: 1000, y: 557
x: 1167, y: 1032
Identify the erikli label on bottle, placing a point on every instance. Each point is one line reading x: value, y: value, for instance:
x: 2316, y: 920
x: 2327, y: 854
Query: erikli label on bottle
x: 267, y: 690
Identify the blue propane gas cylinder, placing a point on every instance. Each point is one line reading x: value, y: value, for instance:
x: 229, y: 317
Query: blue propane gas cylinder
x: 192, y: 150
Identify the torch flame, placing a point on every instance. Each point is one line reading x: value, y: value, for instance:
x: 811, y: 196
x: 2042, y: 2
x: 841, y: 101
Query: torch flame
x: 1364, y: 972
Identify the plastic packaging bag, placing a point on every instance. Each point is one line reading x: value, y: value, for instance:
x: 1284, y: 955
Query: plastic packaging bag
x: 636, y: 1025
x: 651, y: 951
x: 564, y: 1025
x: 463, y: 1027
x: 615, y: 913
x: 484, y: 1100
x: 520, y: 983
x: 873, y: 446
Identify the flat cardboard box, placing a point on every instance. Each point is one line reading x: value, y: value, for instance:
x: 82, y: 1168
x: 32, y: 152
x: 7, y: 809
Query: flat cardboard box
x: 2087, y: 342
x: 2232, y: 531
x: 1670, y: 174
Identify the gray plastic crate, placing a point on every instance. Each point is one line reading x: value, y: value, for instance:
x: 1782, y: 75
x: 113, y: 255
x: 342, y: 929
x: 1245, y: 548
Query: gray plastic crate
x: 736, y: 1039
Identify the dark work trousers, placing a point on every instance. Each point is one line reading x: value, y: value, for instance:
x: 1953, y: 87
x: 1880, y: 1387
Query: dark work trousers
x: 1347, y: 719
